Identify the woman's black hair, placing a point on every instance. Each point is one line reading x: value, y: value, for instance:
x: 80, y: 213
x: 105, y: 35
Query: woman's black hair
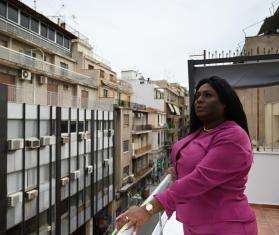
x: 227, y: 96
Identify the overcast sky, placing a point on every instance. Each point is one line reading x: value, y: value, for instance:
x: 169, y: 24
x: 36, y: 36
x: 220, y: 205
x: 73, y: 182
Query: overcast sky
x: 156, y: 37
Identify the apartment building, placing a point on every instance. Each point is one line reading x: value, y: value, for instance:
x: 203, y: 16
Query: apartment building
x: 57, y: 171
x: 176, y: 108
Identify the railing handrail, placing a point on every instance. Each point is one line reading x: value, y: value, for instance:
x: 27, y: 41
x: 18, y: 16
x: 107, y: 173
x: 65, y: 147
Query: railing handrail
x: 162, y: 186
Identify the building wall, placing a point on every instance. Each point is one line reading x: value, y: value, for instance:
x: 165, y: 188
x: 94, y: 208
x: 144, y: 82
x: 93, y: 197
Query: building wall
x: 264, y: 44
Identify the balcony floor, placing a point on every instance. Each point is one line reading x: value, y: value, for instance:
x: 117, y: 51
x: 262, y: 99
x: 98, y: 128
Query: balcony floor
x: 267, y: 220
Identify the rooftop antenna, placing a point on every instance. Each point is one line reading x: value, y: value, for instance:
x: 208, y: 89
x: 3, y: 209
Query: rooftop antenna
x: 35, y: 5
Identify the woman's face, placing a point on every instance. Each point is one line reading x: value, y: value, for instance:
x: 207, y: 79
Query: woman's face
x: 207, y: 104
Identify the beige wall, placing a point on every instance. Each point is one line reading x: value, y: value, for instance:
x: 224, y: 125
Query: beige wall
x: 265, y: 44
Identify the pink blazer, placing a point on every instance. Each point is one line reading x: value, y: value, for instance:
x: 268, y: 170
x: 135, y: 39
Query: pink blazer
x: 211, y: 171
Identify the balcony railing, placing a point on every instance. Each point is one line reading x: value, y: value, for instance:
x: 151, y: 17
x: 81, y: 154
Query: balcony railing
x: 31, y: 96
x: 40, y: 66
x: 146, y: 127
x: 143, y: 150
x: 157, y: 222
x: 19, y: 32
x: 127, y: 104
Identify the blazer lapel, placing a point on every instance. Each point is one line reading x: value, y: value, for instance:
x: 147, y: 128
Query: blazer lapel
x: 181, y: 144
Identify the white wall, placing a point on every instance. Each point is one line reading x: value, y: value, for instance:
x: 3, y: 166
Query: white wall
x: 144, y: 94
x: 263, y: 181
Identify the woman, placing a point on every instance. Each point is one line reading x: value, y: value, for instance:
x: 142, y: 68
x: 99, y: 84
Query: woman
x: 211, y: 166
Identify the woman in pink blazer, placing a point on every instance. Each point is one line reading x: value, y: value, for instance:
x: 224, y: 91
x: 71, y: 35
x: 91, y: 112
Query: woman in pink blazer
x: 211, y: 166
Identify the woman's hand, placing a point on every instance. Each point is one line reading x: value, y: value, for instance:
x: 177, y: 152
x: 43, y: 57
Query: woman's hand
x: 172, y: 172
x: 133, y: 217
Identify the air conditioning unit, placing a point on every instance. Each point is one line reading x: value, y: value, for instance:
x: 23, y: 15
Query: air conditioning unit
x: 89, y: 169
x: 14, y: 199
x: 47, y: 140
x: 106, y: 162
x: 65, y: 181
x: 81, y: 136
x: 87, y: 135
x: 25, y: 75
x: 30, y: 195
x: 75, y: 175
x: 32, y: 143
x: 65, y: 138
x: 131, y: 179
x: 42, y: 79
x: 15, y: 144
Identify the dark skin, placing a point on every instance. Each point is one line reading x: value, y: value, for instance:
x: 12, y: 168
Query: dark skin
x: 211, y: 113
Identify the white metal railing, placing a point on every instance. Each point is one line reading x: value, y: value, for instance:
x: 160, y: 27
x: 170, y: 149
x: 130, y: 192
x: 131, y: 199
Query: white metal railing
x: 159, y: 225
x: 32, y: 63
x: 29, y: 95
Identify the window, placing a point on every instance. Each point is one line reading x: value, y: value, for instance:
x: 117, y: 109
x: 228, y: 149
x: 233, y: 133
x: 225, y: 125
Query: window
x: 90, y: 67
x: 105, y: 92
x: 64, y: 126
x: 44, y: 30
x: 64, y: 65
x: 65, y: 87
x: 102, y: 73
x: 51, y: 34
x: 159, y: 138
x: 59, y: 39
x: 73, y: 127
x: 13, y: 14
x: 80, y: 126
x: 126, y: 119
x: 125, y: 146
x: 24, y: 20
x: 125, y: 171
x: 34, y: 25
x: 66, y: 42
x: 3, y: 9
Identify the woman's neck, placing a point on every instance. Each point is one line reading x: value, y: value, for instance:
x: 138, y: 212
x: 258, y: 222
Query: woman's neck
x: 213, y: 124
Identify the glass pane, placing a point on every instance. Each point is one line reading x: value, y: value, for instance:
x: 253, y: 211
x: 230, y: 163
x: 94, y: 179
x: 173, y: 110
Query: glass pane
x: 66, y: 42
x: 3, y: 9
x: 59, y: 39
x: 35, y: 25
x: 51, y: 34
x: 13, y: 14
x: 44, y: 30
x: 24, y: 20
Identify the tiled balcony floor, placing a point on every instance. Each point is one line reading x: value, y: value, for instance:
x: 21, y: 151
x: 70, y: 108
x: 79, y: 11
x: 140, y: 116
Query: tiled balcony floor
x: 267, y: 219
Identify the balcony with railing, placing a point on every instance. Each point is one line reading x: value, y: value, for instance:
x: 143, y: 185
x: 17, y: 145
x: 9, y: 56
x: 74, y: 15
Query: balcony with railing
x: 140, y: 129
x: 15, y: 58
x: 262, y: 191
x: 17, y: 31
x: 142, y: 151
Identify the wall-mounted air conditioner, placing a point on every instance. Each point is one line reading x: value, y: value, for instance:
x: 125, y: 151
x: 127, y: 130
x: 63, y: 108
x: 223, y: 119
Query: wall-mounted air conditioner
x: 42, y: 79
x: 89, y: 169
x: 25, y: 75
x: 65, y: 139
x: 30, y: 195
x: 65, y: 181
x: 47, y: 140
x: 15, y: 144
x: 14, y: 199
x: 75, y: 175
x: 32, y: 143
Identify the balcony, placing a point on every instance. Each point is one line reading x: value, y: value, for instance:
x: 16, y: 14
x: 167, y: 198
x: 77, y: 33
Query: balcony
x: 15, y: 58
x: 141, y: 151
x: 141, y: 129
x: 36, y: 39
x: 262, y: 191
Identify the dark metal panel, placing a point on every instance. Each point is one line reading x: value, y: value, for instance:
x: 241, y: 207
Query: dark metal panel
x: 3, y: 157
x: 69, y: 170
x: 38, y: 170
x: 113, y: 151
x: 96, y: 158
x: 92, y: 129
x: 58, y: 172
x: 23, y: 227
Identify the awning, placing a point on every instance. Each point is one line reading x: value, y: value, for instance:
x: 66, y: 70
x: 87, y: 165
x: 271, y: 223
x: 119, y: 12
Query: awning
x: 177, y: 111
x: 171, y: 108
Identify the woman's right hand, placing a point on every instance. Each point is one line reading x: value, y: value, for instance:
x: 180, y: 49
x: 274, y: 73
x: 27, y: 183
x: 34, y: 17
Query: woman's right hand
x: 172, y: 172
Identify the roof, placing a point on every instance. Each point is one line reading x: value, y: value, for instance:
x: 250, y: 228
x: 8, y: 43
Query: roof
x: 41, y: 17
